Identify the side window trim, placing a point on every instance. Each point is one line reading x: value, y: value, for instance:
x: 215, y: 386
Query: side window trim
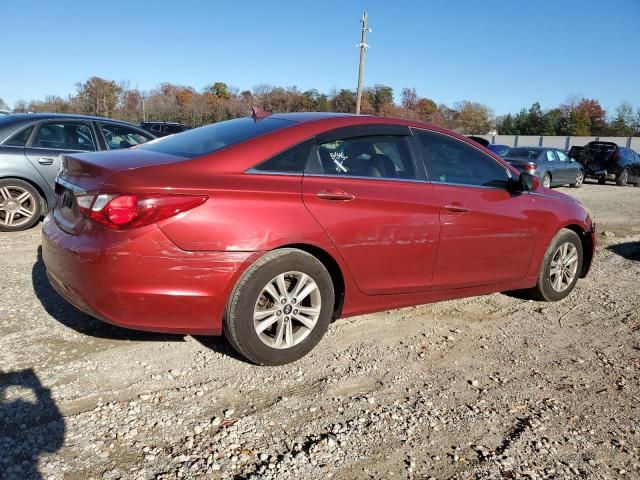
x: 402, y: 132
x: 415, y: 130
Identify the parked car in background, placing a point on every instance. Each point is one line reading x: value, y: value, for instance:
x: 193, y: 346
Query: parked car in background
x: 266, y: 229
x: 498, y: 149
x: 30, y: 149
x: 608, y: 161
x: 551, y: 165
x: 162, y: 129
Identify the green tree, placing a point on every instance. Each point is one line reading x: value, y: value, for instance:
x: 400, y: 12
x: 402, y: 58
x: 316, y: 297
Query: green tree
x: 379, y: 97
x: 505, y: 125
x: 624, y: 123
x: 344, y: 101
x: 551, y: 122
x: 220, y: 90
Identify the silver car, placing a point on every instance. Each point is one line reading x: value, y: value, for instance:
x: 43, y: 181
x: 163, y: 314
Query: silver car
x: 31, y: 145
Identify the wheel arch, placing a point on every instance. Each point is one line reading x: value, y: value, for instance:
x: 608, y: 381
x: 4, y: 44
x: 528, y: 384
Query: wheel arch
x: 332, y: 266
x: 586, y: 239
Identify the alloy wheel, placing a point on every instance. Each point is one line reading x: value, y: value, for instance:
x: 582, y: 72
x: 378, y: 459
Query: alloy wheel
x: 579, y: 179
x: 17, y: 206
x: 287, y: 310
x: 564, y: 266
x: 546, y: 181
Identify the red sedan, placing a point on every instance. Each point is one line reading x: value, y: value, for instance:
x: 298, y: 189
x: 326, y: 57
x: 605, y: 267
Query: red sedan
x: 268, y: 227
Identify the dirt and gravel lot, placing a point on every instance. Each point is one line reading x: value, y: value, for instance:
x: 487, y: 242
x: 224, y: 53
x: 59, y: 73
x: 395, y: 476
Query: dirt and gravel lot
x: 488, y: 387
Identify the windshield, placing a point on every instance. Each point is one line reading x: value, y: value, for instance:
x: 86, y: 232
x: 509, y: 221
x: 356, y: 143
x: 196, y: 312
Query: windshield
x: 521, y: 153
x: 210, y: 138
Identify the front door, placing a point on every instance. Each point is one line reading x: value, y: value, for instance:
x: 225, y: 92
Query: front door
x: 380, y: 214
x: 54, y: 138
x: 487, y: 232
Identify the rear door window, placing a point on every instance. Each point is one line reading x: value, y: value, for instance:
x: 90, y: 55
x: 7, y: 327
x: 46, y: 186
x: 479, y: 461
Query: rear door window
x: 562, y: 156
x: 551, y: 156
x: 386, y: 157
x: 65, y: 136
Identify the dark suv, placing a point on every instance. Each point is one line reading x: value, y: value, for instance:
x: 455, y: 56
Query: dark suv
x: 162, y: 129
x: 607, y: 161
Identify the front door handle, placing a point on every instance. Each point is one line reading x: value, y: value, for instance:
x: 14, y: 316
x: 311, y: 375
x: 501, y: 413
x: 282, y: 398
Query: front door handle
x: 45, y: 161
x: 335, y: 194
x: 456, y: 209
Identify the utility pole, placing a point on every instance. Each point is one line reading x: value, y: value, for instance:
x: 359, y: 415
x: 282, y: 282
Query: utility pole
x: 144, y: 115
x: 363, y: 47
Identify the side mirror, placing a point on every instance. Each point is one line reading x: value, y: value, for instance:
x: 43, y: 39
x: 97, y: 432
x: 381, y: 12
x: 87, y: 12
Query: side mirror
x: 525, y: 183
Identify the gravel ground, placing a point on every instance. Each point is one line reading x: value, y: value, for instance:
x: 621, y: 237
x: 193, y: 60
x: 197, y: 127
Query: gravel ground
x: 486, y: 387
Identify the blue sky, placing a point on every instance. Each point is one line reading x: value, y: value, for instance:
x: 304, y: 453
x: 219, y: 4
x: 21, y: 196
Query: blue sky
x: 505, y: 53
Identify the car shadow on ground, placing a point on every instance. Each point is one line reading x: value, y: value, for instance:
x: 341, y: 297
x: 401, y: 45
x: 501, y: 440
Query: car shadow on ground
x: 30, y: 424
x: 65, y: 313
x: 628, y: 250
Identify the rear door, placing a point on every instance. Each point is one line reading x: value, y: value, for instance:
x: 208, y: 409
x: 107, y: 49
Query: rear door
x: 362, y: 185
x: 487, y: 232
x: 566, y: 168
x: 54, y: 138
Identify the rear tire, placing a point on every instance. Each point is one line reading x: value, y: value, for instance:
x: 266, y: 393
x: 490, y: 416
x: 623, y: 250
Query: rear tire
x: 560, y: 269
x: 20, y: 205
x: 623, y: 178
x: 546, y: 180
x: 275, y: 331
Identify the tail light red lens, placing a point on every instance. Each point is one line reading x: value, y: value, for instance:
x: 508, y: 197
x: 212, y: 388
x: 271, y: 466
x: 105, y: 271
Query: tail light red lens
x: 531, y: 166
x: 122, y: 212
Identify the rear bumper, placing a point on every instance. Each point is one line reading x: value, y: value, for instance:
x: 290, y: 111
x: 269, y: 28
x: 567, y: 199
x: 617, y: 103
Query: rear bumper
x: 141, y: 280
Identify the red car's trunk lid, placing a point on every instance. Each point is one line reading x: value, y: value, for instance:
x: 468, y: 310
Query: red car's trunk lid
x: 83, y: 174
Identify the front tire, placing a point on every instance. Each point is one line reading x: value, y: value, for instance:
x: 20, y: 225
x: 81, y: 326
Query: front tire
x: 546, y: 180
x: 579, y: 180
x: 281, y: 307
x: 560, y: 269
x: 20, y: 205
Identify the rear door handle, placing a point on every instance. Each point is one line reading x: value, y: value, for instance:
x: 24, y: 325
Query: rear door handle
x: 456, y: 209
x: 45, y: 161
x: 336, y: 195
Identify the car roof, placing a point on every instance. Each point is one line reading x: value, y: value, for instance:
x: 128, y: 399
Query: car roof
x: 64, y: 116
x: 300, y: 117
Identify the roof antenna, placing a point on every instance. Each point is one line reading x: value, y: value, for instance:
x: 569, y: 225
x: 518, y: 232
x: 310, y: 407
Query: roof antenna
x: 257, y: 112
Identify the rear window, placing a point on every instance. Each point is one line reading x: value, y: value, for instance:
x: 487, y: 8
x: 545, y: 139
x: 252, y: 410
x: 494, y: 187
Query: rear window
x: 210, y: 138
x: 521, y: 153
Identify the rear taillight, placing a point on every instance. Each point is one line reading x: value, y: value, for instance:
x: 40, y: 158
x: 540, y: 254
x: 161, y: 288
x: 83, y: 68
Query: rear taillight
x: 531, y: 166
x: 122, y: 212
